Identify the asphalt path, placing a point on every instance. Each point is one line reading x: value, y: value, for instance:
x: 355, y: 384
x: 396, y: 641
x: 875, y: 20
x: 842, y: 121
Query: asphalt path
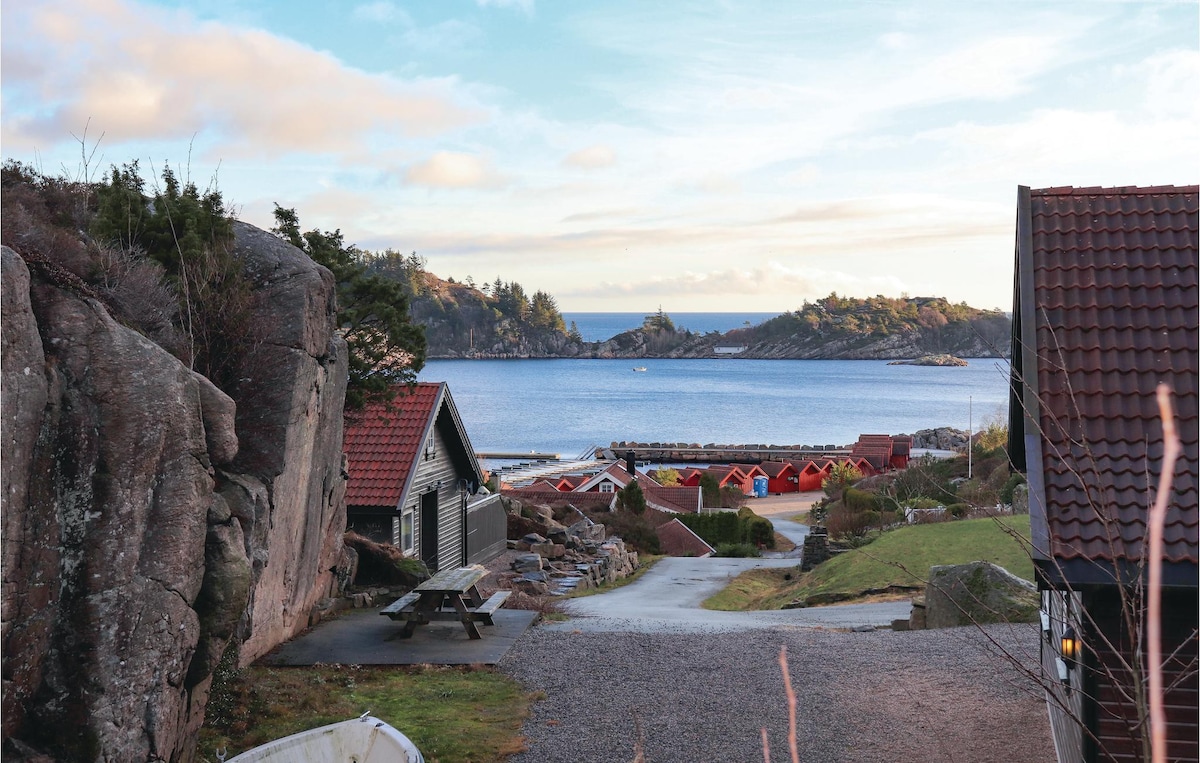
x: 667, y: 600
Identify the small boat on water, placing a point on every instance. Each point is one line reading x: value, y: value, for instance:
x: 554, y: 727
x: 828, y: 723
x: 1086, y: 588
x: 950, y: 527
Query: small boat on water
x: 639, y: 368
x: 365, y: 739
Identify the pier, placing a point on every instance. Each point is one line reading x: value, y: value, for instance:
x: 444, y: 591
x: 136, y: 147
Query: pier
x: 529, y: 455
x: 717, y: 454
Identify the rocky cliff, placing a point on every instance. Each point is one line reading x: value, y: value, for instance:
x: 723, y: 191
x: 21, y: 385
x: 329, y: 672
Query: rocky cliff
x: 151, y: 520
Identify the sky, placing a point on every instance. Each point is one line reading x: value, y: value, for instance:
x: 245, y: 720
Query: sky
x: 625, y: 155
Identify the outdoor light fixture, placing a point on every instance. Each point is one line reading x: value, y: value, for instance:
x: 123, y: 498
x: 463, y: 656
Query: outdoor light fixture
x: 1064, y: 673
x: 1070, y: 647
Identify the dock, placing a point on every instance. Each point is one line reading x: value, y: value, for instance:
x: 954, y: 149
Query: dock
x: 523, y: 456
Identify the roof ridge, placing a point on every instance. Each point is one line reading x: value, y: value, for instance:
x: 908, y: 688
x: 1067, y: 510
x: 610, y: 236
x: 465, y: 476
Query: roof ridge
x: 1095, y: 190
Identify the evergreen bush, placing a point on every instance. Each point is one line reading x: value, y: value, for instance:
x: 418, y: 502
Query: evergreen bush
x: 737, y: 550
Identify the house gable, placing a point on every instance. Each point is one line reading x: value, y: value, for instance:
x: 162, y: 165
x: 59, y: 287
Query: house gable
x: 614, y: 475
x: 411, y: 476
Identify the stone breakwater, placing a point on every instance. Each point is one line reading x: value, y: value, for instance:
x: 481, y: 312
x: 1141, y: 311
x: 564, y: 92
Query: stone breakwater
x: 940, y: 438
x: 715, y: 454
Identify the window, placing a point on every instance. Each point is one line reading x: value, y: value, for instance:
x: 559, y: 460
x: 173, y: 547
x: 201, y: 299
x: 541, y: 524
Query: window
x: 430, y: 448
x: 606, y: 487
x: 406, y: 531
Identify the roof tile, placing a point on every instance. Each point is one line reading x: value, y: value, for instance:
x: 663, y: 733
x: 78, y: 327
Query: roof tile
x: 1115, y: 306
x: 382, y: 441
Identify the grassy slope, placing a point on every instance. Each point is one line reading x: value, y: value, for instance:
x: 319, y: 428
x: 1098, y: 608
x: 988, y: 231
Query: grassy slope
x: 451, y: 714
x: 878, y: 565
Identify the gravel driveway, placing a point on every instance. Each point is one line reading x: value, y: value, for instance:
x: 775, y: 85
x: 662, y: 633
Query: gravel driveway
x: 879, y: 696
x: 700, y: 685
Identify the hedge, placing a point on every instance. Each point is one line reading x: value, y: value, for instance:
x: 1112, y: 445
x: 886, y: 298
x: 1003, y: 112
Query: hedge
x: 727, y: 527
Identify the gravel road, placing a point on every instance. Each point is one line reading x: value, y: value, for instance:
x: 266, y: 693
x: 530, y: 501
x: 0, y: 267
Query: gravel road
x: 934, y: 696
x: 700, y: 685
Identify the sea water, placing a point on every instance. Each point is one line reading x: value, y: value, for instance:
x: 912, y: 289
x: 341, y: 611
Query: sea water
x: 569, y: 406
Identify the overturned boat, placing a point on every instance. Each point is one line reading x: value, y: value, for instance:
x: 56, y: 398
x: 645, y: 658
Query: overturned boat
x: 365, y: 739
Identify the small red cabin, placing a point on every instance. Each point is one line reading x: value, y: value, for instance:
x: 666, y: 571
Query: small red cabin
x: 782, y: 476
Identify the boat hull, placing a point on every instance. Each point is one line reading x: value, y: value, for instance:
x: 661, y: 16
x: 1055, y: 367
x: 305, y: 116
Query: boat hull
x: 361, y: 740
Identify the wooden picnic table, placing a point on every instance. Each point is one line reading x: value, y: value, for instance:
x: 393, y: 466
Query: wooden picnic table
x: 451, y: 594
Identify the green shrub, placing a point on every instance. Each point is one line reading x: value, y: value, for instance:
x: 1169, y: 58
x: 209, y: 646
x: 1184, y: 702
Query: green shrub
x: 922, y: 504
x: 1006, y: 492
x: 631, y: 498
x: 958, y: 510
x: 737, y: 550
x: 860, y: 500
x: 755, y: 529
x: 720, y: 527
x: 637, y: 533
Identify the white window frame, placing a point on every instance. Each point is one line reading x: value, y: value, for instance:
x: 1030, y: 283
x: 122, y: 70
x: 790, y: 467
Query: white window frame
x: 607, y: 487
x: 405, y: 531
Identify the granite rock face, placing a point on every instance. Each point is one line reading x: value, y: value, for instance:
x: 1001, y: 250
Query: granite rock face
x: 150, y: 519
x: 289, y: 423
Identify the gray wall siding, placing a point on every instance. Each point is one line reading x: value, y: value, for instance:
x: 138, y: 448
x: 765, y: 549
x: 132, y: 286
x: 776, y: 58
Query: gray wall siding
x: 428, y: 472
x: 487, y: 529
x: 1066, y: 707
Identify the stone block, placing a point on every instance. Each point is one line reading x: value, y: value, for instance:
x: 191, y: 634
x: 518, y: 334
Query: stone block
x: 977, y: 593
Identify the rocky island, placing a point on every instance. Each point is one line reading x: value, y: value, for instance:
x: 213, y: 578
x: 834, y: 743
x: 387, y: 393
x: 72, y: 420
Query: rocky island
x: 498, y: 321
x: 931, y: 360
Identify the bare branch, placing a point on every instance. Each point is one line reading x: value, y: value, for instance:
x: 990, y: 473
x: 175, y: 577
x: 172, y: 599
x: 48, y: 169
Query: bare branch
x: 1158, y: 516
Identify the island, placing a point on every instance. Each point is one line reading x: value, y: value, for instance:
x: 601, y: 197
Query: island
x: 930, y: 360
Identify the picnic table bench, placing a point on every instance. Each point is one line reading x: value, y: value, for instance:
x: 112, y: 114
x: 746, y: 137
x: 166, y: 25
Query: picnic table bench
x: 451, y: 594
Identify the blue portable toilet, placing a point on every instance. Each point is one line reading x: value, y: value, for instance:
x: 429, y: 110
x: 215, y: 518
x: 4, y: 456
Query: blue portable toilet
x: 760, y: 487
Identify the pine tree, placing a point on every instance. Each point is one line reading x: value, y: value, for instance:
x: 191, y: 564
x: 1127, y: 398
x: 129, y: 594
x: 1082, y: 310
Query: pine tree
x: 386, y: 348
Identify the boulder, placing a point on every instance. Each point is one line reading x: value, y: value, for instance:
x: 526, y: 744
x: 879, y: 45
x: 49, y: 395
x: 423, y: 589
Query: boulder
x: 977, y: 593
x: 151, y: 520
x: 527, y: 563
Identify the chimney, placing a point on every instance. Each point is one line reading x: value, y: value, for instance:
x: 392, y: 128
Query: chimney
x: 630, y: 463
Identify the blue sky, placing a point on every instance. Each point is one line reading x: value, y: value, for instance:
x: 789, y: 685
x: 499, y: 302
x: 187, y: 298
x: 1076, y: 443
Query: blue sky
x: 626, y: 155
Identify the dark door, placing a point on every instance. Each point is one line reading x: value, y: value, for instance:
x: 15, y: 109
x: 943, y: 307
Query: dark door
x: 429, y: 529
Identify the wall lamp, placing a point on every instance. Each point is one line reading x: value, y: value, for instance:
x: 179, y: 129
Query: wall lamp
x: 1068, y: 656
x: 1070, y: 647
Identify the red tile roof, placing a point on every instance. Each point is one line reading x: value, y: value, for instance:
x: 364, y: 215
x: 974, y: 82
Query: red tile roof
x: 678, y: 498
x: 677, y: 539
x: 1106, y: 308
x: 382, y: 442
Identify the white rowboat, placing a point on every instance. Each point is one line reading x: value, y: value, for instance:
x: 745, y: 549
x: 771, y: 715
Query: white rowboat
x: 360, y: 740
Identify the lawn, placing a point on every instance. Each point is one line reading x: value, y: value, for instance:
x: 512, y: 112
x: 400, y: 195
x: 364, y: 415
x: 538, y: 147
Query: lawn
x: 452, y: 714
x: 900, y: 557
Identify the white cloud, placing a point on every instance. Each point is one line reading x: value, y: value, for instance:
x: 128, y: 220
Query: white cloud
x: 142, y: 73
x: 381, y: 12
x: 449, y: 169
x: 719, y: 184
x: 592, y: 157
